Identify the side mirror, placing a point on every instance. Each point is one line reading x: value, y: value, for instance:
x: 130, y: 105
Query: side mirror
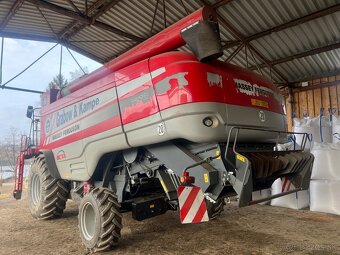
x: 29, y: 112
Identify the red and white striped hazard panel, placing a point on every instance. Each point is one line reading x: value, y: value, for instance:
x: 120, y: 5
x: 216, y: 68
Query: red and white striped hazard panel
x: 286, y: 184
x: 192, y: 205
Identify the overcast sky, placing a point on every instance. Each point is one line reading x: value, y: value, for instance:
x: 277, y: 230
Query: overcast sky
x: 18, y: 54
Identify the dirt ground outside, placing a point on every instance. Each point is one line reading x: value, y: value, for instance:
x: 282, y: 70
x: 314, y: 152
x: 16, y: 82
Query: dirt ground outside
x: 251, y: 230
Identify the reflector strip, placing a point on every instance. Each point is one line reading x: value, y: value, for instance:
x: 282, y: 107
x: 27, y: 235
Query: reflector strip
x: 192, y: 205
x: 285, y: 184
x: 202, y: 211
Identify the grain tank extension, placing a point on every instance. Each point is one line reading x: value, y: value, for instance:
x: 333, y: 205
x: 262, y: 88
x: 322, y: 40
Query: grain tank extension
x: 157, y: 129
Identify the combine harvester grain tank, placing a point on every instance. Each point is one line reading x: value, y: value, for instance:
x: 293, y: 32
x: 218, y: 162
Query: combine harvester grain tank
x: 157, y: 129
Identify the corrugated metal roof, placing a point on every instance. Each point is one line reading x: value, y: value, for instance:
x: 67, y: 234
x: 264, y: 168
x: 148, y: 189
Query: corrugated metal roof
x: 327, y: 63
x: 307, y: 36
x: 248, y: 17
x: 29, y: 20
x: 127, y: 15
x: 5, y: 6
x: 251, y: 17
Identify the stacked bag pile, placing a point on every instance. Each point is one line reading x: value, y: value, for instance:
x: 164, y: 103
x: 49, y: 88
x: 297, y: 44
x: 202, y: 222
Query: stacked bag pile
x: 319, y: 128
x: 325, y: 183
x: 321, y: 131
x: 324, y: 192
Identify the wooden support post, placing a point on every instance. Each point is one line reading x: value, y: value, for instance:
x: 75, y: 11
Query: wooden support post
x: 290, y: 109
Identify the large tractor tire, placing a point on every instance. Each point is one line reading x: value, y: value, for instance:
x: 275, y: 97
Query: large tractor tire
x: 47, y: 195
x: 100, y: 220
x: 215, y: 209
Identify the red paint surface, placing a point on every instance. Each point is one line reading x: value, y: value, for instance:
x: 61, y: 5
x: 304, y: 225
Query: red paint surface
x: 200, y: 213
x: 188, y: 202
x: 198, y: 89
x: 144, y: 59
x: 141, y: 109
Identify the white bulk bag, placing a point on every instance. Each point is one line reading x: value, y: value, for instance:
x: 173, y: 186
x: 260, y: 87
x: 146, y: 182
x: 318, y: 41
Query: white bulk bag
x: 312, y: 126
x: 327, y: 161
x: 300, y: 126
x: 297, y: 200
x: 324, y: 196
x: 326, y: 129
x: 285, y: 146
x: 336, y: 129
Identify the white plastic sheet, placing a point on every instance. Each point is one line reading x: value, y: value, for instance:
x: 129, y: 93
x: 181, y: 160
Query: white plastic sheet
x: 300, y: 126
x: 324, y: 196
x: 336, y: 129
x: 260, y: 194
x: 327, y: 161
x: 297, y: 200
x: 285, y: 146
x: 312, y: 126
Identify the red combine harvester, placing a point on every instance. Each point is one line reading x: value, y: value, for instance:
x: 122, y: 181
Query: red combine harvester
x: 156, y: 130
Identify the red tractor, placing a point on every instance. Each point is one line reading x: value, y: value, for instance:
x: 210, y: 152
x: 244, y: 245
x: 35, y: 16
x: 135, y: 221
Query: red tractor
x: 156, y: 130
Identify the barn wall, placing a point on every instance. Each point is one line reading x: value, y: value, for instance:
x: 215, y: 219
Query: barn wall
x: 322, y: 95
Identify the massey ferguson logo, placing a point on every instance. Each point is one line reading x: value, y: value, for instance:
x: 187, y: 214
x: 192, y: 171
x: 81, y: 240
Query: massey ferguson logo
x: 254, y: 90
x: 249, y: 89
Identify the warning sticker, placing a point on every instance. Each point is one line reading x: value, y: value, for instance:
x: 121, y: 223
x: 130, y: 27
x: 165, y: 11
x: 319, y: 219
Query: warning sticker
x: 206, y: 178
x: 218, y: 153
x: 261, y: 103
x: 241, y: 158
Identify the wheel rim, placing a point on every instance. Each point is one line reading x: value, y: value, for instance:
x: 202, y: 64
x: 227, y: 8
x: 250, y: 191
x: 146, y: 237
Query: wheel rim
x: 35, y: 189
x: 87, y: 222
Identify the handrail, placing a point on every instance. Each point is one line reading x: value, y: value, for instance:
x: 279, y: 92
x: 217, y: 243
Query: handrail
x: 279, y: 132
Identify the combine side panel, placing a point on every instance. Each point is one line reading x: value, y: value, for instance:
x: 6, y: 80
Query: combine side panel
x: 138, y: 104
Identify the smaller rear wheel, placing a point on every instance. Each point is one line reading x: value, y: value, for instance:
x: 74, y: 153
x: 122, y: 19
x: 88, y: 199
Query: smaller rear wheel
x: 100, y: 221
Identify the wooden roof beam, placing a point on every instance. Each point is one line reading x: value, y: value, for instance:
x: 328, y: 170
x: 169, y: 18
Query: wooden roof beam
x: 316, y: 86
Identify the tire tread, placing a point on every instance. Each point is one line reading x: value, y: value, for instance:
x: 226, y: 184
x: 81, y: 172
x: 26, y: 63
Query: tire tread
x: 111, y: 218
x: 55, y: 192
